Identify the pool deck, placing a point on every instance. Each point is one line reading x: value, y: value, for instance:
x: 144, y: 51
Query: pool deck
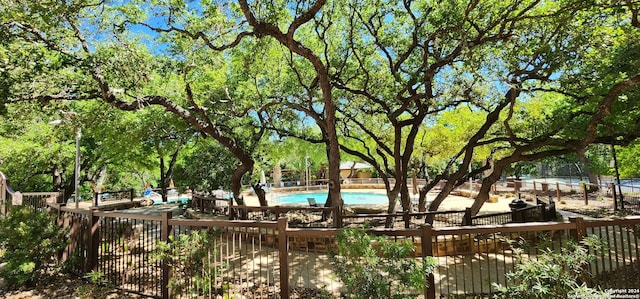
x: 453, y: 202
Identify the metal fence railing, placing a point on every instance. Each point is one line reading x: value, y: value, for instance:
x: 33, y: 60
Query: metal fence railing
x: 259, y: 259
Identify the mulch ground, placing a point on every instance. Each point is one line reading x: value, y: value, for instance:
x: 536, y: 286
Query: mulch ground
x: 624, y: 278
x: 62, y: 286
x: 66, y: 286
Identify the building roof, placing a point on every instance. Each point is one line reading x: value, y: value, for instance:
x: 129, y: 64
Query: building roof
x: 353, y: 165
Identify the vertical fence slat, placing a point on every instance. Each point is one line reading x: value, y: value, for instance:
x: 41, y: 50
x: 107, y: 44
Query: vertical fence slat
x: 427, y: 251
x: 283, y: 254
x: 94, y: 241
x: 166, y: 270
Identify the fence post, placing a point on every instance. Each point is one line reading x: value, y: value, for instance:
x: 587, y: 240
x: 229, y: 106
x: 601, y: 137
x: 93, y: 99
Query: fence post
x: 166, y: 270
x: 516, y: 216
x: 406, y: 218
x: 584, y: 192
x: 621, y: 196
x: 550, y: 214
x: 96, y: 195
x: 467, y: 217
x: 283, y: 224
x: 581, y: 229
x: 337, y: 217
x: 427, y: 251
x: 558, y: 191
x: 276, y: 211
x: 542, y: 209
x: 535, y: 190
x: 93, y: 241
x: 66, y: 222
x: 612, y: 186
x: 131, y: 194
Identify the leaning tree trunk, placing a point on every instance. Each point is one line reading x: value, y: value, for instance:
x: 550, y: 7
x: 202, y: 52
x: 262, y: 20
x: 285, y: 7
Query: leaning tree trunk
x: 262, y: 197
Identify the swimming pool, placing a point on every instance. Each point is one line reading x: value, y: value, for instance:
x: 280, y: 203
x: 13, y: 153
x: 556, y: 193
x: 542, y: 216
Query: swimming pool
x: 350, y: 198
x: 171, y: 200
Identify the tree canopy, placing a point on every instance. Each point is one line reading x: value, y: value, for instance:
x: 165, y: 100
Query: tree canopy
x: 459, y: 88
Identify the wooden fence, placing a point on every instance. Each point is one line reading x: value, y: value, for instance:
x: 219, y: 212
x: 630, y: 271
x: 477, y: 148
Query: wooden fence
x: 609, y: 197
x: 266, y: 259
x: 307, y: 216
x: 102, y: 196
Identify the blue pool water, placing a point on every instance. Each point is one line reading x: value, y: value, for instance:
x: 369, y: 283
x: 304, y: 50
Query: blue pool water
x: 171, y: 200
x: 350, y: 198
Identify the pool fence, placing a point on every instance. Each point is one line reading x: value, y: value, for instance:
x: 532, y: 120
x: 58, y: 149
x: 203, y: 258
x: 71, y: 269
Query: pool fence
x: 267, y: 259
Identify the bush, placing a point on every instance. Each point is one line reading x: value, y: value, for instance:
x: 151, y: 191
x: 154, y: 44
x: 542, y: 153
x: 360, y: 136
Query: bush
x: 30, y: 242
x: 98, y: 286
x: 190, y: 256
x: 373, y: 267
x: 552, y: 274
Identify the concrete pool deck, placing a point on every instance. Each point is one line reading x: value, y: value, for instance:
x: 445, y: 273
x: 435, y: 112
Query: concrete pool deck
x: 453, y: 202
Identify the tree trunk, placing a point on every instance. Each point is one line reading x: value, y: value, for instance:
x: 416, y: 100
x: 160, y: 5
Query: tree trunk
x: 422, y: 199
x: 593, y: 179
x: 485, y: 188
x: 163, y: 189
x: 236, y: 181
x: 262, y: 198
x: 277, y: 175
x: 392, y: 194
x: 57, y: 184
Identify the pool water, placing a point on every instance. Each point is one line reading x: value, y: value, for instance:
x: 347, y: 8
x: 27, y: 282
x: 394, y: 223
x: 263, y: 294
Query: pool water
x: 172, y: 200
x: 350, y: 198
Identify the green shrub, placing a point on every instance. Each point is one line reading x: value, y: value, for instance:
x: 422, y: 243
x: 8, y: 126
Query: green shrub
x: 552, y: 274
x: 190, y: 256
x: 98, y: 286
x: 30, y: 242
x: 374, y: 267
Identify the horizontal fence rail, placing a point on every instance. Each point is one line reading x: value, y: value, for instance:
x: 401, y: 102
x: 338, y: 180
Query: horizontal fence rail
x: 298, y: 216
x: 103, y: 196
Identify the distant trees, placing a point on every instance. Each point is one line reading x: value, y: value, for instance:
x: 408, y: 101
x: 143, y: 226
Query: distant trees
x: 38, y: 155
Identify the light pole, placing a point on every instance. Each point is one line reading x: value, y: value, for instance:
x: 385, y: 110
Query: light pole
x: 470, y: 182
x: 76, y: 174
x: 306, y: 170
x: 77, y: 166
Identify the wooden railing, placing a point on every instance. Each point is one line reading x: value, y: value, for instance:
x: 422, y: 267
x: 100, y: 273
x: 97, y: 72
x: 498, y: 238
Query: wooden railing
x: 210, y: 204
x: 129, y: 194
x: 609, y: 197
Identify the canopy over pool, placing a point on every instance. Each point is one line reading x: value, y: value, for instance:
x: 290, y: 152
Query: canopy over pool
x: 350, y: 198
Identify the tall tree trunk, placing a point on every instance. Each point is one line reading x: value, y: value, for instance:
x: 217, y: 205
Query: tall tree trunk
x: 593, y: 179
x: 262, y: 198
x: 163, y: 189
x: 392, y: 194
x: 57, y: 184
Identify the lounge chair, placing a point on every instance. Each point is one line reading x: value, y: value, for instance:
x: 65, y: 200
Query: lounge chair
x: 312, y: 202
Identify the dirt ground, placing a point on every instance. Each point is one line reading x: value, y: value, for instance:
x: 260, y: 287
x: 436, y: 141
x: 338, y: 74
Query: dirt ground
x: 64, y: 286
